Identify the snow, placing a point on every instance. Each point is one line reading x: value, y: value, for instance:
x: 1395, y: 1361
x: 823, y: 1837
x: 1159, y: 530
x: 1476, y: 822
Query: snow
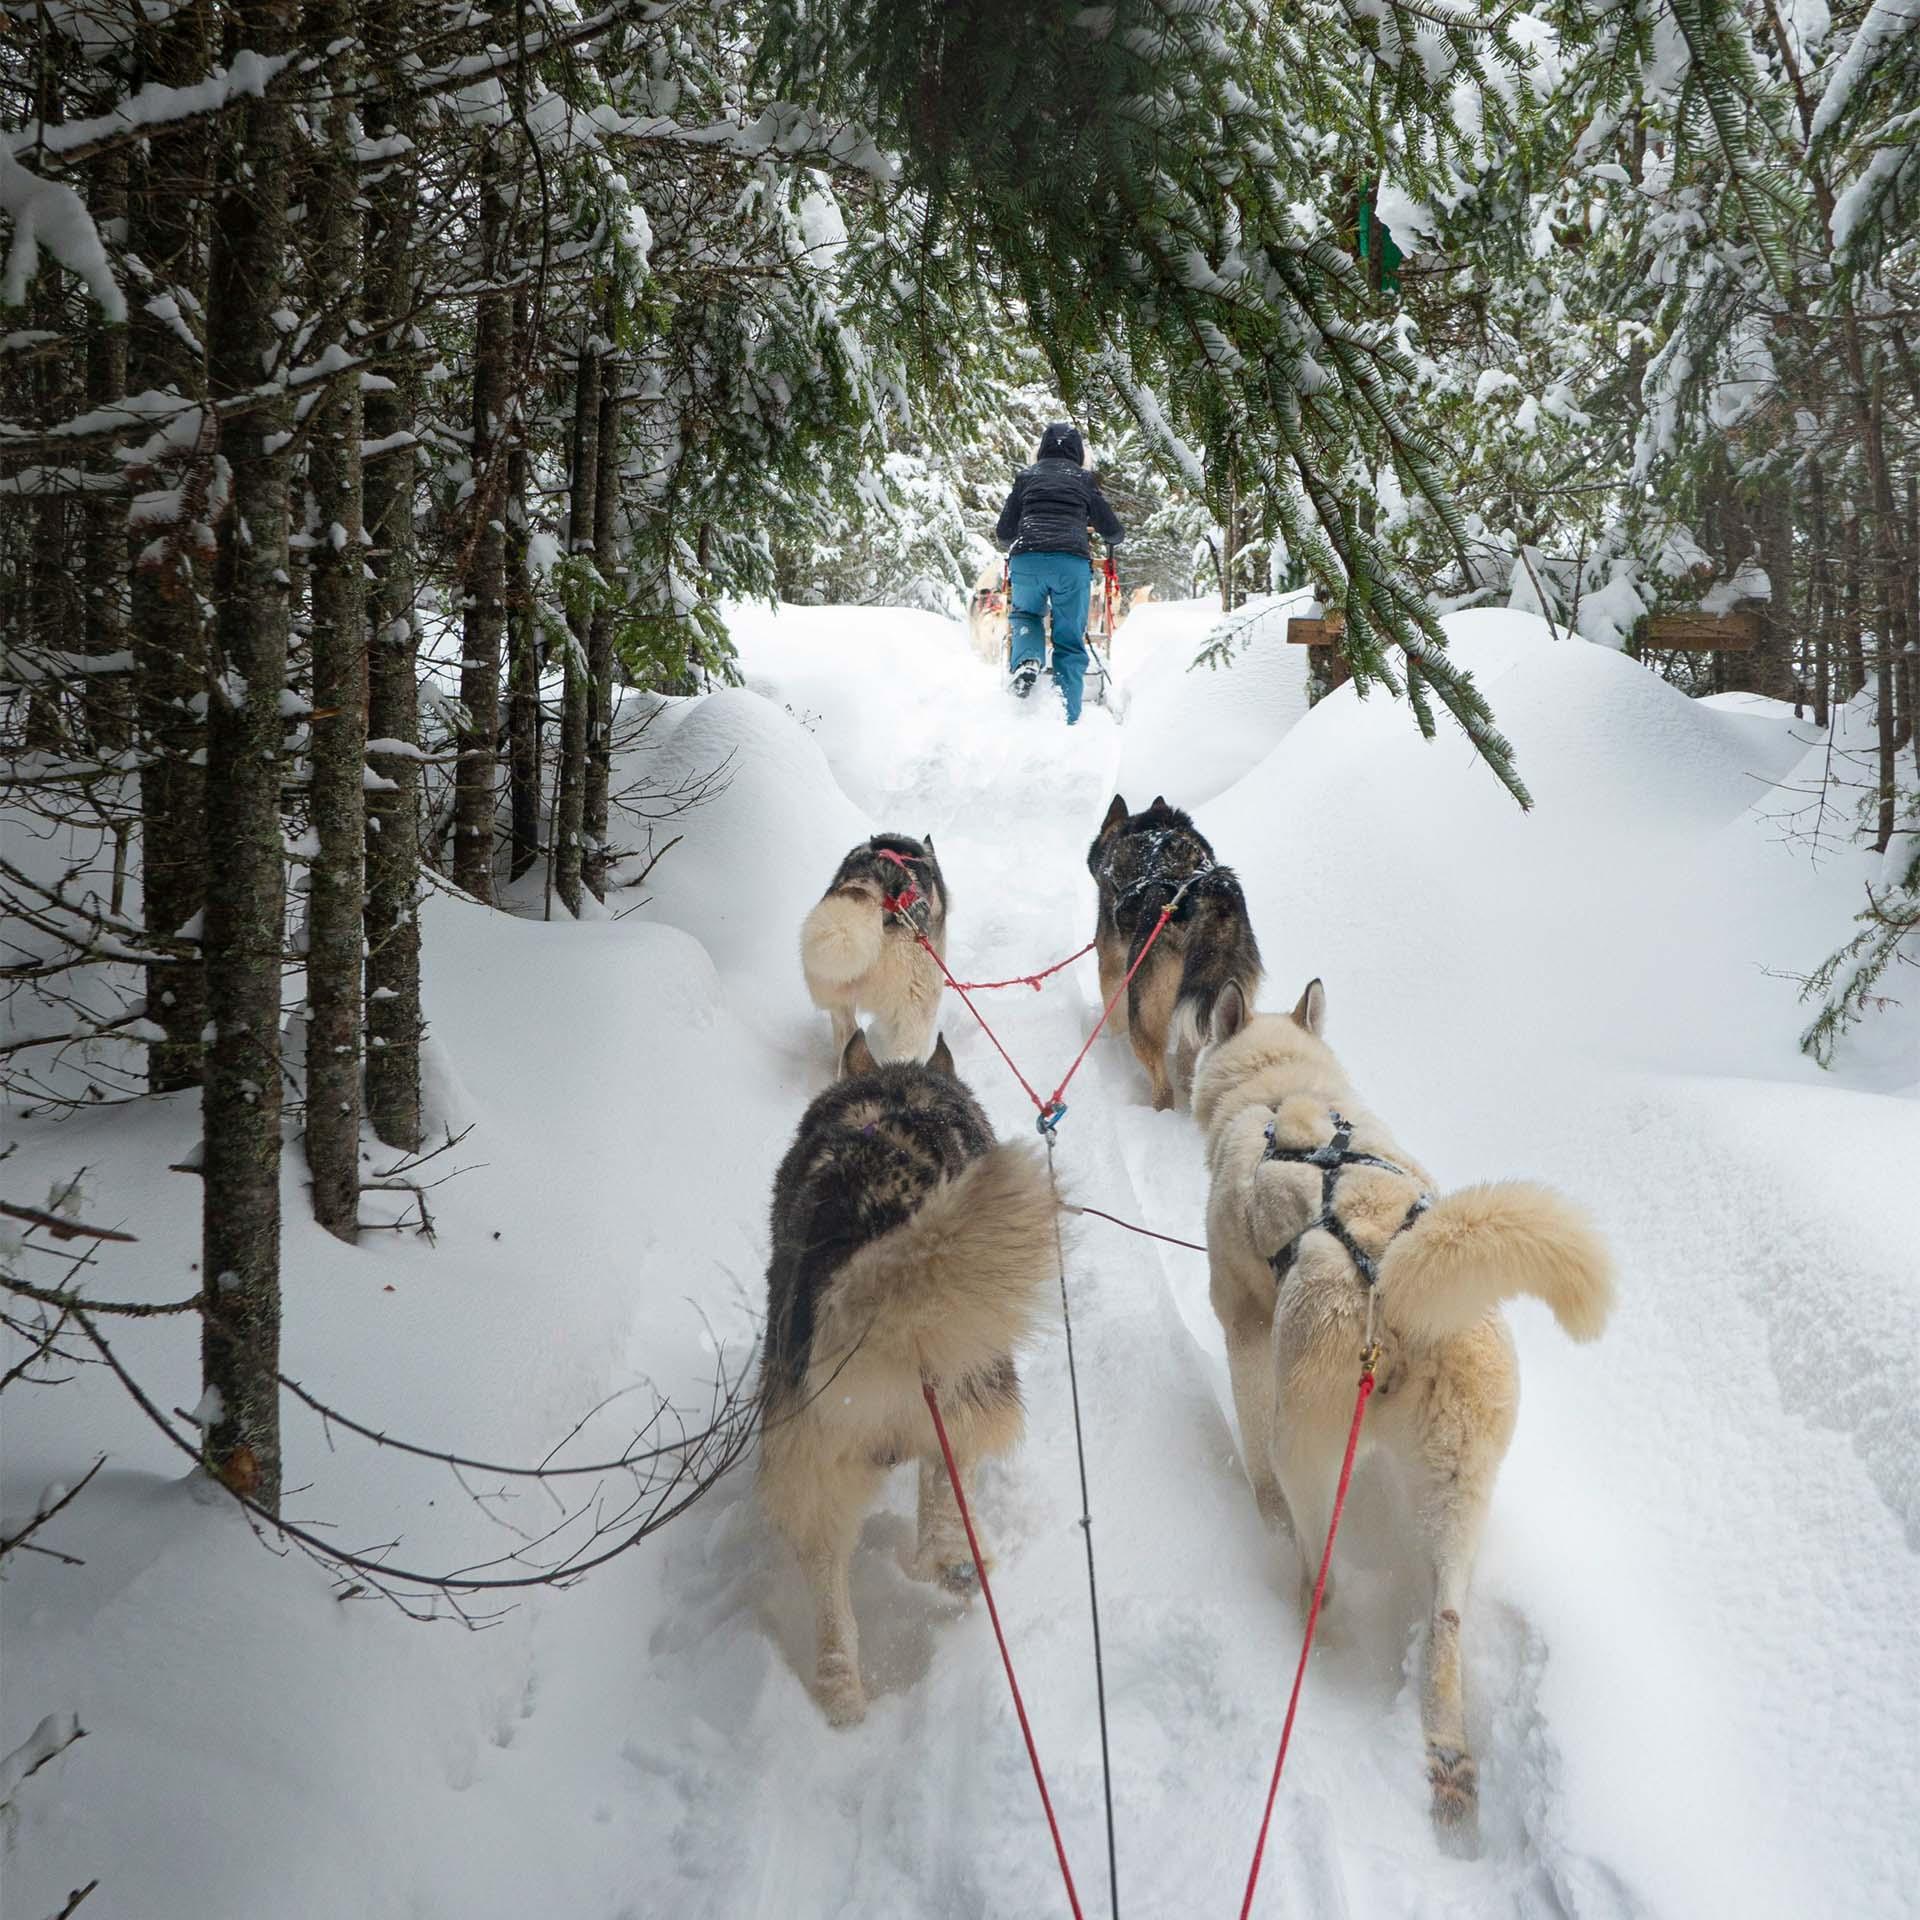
x: 1691, y: 1672
x: 48, y: 213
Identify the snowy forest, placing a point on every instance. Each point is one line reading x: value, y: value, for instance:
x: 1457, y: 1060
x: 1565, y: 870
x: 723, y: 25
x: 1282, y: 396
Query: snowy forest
x: 497, y: 496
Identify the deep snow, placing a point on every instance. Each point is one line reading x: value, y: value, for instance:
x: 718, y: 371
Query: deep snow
x: 1692, y: 1676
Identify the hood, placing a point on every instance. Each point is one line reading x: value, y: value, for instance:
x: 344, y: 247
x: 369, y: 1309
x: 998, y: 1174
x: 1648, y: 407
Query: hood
x: 1062, y: 441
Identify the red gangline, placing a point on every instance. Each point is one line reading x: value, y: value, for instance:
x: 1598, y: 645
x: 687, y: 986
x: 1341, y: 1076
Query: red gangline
x: 1006, y: 1659
x: 1106, y: 1012
x: 1313, y: 1616
x: 1027, y: 979
x: 1049, y: 1109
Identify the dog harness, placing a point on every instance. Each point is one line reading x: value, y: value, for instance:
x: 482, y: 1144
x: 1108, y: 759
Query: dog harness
x: 1156, y: 875
x: 1333, y: 1159
x: 909, y: 906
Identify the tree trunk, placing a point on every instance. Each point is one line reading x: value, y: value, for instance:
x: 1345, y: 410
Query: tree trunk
x: 339, y: 641
x: 246, y: 882
x: 393, y: 704
x: 523, y: 652
x: 1819, y: 596
x: 104, y: 543
x: 169, y: 644
x: 476, y: 779
x: 577, y: 700
x: 606, y: 618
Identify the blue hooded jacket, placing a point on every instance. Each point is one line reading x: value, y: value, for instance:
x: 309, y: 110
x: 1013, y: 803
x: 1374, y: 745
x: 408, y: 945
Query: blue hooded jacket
x: 1053, y: 501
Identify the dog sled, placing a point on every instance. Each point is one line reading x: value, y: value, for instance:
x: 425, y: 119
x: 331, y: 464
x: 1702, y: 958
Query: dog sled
x: 991, y: 627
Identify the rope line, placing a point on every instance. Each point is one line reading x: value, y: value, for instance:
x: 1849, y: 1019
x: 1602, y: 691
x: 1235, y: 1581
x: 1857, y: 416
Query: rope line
x: 1369, y: 1359
x: 1193, y: 1246
x: 1086, y: 1532
x: 1027, y: 979
x: 1006, y: 1659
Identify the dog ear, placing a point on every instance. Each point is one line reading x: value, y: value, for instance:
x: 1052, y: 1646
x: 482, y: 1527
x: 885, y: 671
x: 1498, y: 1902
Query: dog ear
x: 941, y: 1059
x: 926, y: 840
x: 1115, y: 815
x: 858, y: 1059
x: 1229, y: 1013
x: 1311, y: 1012
x: 1159, y: 804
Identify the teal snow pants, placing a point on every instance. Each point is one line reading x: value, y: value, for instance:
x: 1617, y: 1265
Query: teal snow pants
x: 1065, y: 579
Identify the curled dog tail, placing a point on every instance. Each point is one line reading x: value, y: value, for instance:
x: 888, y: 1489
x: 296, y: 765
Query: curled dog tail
x: 952, y: 1289
x: 1485, y: 1244
x: 840, y: 939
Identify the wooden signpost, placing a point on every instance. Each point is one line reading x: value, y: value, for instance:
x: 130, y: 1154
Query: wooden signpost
x: 1703, y: 632
x: 1329, y: 670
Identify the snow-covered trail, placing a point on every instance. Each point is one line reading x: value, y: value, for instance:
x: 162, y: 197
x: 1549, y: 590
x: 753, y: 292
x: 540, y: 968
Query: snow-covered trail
x: 1691, y: 1671
x: 1625, y: 1660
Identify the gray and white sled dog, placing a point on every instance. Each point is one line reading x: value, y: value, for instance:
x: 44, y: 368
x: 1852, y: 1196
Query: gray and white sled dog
x: 1312, y: 1206
x: 859, y: 957
x: 1140, y: 863
x: 907, y: 1246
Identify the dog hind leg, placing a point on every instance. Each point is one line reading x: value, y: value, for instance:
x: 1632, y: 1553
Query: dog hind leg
x: 1250, y: 1367
x: 825, y: 1541
x: 1453, y: 1513
x: 942, y: 1554
x: 1150, y: 1002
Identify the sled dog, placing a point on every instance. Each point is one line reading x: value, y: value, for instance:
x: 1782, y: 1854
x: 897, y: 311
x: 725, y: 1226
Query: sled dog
x: 1140, y: 862
x: 907, y: 1246
x: 1312, y: 1205
x: 857, y: 955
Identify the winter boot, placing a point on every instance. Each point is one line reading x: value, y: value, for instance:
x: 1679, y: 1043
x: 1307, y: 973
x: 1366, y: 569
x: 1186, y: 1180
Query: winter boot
x: 1020, y: 682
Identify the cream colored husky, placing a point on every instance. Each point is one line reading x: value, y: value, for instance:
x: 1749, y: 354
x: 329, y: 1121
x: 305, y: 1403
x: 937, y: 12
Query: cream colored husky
x: 858, y: 956
x: 1312, y: 1205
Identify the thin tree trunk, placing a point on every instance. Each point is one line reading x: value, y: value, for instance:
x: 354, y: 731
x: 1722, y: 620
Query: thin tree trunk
x: 1852, y: 639
x: 1820, y: 596
x: 523, y: 651
x: 606, y: 617
x: 104, y: 545
x: 577, y: 699
x: 393, y: 705
x: 476, y: 780
x: 339, y: 644
x: 169, y: 643
x: 246, y: 882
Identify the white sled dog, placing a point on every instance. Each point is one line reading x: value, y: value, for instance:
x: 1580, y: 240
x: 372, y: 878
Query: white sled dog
x: 857, y: 955
x: 907, y: 1246
x: 1312, y: 1205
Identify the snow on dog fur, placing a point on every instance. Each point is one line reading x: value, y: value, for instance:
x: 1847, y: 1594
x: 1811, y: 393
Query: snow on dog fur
x: 856, y: 956
x: 1292, y: 1301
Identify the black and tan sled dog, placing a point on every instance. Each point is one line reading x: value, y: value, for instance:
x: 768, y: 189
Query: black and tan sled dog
x: 907, y: 1245
x: 1141, y: 862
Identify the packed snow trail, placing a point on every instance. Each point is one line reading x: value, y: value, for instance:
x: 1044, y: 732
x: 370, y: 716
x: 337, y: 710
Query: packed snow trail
x: 1692, y: 1680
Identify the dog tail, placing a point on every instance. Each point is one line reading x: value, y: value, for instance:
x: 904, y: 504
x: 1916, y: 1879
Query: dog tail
x: 1485, y: 1244
x: 1221, y: 952
x: 955, y: 1287
x: 840, y: 939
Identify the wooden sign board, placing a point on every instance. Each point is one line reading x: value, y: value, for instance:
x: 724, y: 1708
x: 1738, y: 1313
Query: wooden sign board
x: 1323, y: 632
x: 1704, y: 632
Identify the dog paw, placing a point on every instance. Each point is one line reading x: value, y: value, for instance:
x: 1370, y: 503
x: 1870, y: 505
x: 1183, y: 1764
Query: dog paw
x: 842, y: 1697
x: 959, y: 1578
x: 1163, y: 1100
x: 1455, y: 1779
